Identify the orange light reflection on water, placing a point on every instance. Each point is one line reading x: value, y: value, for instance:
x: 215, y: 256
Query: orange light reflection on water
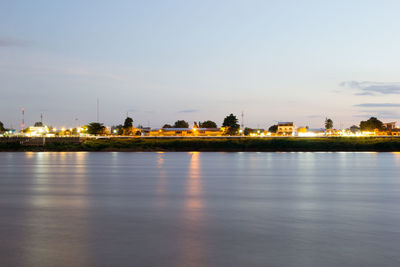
x: 193, y: 248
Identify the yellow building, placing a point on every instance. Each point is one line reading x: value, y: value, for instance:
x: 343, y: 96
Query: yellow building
x: 37, y: 131
x: 186, y: 132
x: 307, y: 132
x: 286, y: 129
x: 395, y: 132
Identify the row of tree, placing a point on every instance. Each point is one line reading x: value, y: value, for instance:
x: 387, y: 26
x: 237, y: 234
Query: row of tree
x: 371, y: 124
x: 96, y: 128
x: 185, y: 124
x: 230, y: 123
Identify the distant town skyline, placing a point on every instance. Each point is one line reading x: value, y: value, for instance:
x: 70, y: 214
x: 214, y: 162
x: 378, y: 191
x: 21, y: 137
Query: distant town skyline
x: 162, y: 61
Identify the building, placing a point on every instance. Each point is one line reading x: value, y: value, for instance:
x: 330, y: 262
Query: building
x: 395, y: 132
x: 389, y: 125
x: 286, y: 129
x: 145, y: 131
x: 186, y: 132
x: 306, y: 132
x: 37, y: 131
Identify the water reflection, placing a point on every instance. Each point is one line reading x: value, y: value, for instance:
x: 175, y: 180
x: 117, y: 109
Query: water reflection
x: 162, y: 181
x: 53, y: 191
x: 199, y: 209
x: 193, y: 232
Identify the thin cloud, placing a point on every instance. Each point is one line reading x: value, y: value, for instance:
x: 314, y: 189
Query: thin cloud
x: 188, y: 111
x: 378, y: 105
x: 380, y: 114
x: 315, y: 116
x: 89, y: 73
x: 373, y: 88
x: 4, y: 42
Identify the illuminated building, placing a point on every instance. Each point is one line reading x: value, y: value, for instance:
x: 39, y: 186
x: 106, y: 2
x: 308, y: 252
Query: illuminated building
x: 186, y: 132
x: 37, y: 131
x: 286, y: 129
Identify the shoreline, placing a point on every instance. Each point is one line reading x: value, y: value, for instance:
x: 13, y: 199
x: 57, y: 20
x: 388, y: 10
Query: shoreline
x: 286, y: 144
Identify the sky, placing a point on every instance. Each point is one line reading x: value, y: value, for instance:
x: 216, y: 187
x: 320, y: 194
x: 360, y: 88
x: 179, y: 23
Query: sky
x: 161, y: 61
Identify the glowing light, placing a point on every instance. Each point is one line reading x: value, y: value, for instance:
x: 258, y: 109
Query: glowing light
x: 307, y: 134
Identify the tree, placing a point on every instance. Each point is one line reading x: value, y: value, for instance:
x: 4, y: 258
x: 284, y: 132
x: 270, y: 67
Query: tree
x: 231, y: 122
x: 328, y: 124
x: 247, y: 131
x: 207, y: 124
x: 128, y: 126
x: 354, y: 129
x: 128, y: 123
x: 119, y: 129
x: 181, y: 124
x: 38, y: 124
x: 371, y: 124
x: 2, y: 127
x: 273, y: 128
x: 167, y: 126
x: 96, y: 128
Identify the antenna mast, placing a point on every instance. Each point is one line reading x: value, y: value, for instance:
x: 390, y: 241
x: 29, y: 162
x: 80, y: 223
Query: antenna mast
x: 242, y: 120
x: 23, y: 119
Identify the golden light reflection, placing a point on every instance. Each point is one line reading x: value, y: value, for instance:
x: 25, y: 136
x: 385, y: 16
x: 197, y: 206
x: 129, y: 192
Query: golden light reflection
x: 396, y: 156
x: 162, y: 181
x: 194, y: 186
x: 193, y: 249
x: 29, y: 155
x: 57, y: 192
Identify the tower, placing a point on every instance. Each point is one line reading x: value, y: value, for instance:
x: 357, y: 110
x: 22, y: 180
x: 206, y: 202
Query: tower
x: 23, y: 120
x: 242, y: 125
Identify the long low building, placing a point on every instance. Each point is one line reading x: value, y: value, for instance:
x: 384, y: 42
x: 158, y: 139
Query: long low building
x: 186, y: 132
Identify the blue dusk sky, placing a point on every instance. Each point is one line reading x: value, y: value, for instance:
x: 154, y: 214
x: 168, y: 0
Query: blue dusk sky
x: 161, y: 61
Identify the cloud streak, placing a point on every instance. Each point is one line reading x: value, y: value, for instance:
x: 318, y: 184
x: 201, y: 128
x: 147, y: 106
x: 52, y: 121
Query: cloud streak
x: 378, y: 105
x: 188, y: 111
x: 373, y: 88
x: 382, y: 114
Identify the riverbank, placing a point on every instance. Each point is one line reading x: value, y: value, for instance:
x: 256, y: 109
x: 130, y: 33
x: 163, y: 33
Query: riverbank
x: 378, y: 144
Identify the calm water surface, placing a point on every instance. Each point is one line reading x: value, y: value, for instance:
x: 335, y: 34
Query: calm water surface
x: 199, y: 209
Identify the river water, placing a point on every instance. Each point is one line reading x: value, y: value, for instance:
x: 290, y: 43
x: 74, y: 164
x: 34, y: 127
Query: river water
x: 199, y: 209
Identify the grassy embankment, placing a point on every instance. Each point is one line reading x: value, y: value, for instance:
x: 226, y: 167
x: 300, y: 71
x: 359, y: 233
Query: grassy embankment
x: 219, y: 144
